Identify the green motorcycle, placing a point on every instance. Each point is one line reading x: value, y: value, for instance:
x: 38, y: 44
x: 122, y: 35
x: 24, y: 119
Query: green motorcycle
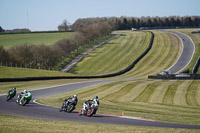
x: 26, y: 98
x: 11, y: 94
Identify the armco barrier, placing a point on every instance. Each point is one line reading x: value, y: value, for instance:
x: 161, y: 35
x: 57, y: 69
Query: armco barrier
x: 176, y: 77
x: 86, y: 77
x: 196, y: 66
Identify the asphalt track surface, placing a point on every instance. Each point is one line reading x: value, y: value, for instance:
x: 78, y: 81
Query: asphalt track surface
x: 186, y: 55
x: 34, y: 110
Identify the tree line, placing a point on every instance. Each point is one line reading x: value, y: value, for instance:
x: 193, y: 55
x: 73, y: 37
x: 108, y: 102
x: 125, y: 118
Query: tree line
x: 124, y: 23
x: 86, y: 31
x: 47, y: 57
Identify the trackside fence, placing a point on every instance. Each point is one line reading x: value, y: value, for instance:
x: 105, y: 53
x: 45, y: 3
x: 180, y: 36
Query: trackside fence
x: 176, y: 77
x: 196, y: 66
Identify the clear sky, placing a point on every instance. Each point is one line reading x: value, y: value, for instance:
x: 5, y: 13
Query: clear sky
x: 40, y: 15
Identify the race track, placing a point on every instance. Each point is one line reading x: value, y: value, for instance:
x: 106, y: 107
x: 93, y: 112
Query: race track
x: 186, y: 55
x: 34, y: 110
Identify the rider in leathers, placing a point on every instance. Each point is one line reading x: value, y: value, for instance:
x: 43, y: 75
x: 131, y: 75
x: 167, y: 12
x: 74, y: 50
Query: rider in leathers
x: 12, y: 90
x: 20, y: 95
x: 70, y: 99
x: 89, y: 102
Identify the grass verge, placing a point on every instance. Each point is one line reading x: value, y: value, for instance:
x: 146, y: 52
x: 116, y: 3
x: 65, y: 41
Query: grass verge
x: 14, y: 72
x: 14, y: 124
x: 33, y: 85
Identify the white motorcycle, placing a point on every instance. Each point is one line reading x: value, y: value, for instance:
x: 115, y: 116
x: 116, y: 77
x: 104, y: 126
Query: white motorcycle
x: 89, y: 110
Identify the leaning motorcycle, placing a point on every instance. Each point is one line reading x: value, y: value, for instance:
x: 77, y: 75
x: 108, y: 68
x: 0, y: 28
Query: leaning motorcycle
x: 89, y: 110
x: 10, y: 95
x: 26, y: 98
x: 68, y: 106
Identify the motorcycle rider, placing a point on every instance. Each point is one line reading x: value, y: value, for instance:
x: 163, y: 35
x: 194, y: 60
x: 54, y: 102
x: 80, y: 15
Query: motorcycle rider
x: 12, y: 90
x: 70, y: 99
x: 89, y: 102
x: 20, y: 95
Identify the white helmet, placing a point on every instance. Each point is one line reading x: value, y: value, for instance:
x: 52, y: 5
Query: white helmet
x: 25, y: 91
x: 75, y: 96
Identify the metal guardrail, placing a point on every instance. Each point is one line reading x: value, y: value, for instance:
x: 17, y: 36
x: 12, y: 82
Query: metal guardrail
x: 176, y: 77
x: 196, y: 66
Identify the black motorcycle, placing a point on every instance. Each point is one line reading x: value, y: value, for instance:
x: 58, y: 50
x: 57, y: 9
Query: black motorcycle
x: 68, y: 106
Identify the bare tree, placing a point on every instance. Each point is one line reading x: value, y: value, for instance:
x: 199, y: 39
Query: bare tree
x: 64, y: 26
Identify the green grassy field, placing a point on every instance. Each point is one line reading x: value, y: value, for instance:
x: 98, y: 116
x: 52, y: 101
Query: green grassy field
x: 13, y: 124
x: 115, y: 55
x: 9, y: 40
x: 14, y: 72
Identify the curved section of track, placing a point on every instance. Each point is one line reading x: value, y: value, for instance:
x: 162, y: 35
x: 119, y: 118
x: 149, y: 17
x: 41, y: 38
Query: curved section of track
x: 34, y: 110
x: 186, y: 55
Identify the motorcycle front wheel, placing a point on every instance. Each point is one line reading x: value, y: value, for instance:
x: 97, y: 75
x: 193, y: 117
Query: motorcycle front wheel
x: 90, y: 112
x: 24, y: 101
x: 70, y: 108
x: 8, y: 97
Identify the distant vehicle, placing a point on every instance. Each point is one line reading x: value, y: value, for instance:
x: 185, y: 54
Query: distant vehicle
x: 164, y: 72
x: 198, y: 31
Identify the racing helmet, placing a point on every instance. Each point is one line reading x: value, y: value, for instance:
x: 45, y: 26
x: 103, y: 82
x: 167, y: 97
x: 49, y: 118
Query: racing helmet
x: 25, y: 91
x: 14, y: 88
x: 96, y: 97
x: 75, y: 96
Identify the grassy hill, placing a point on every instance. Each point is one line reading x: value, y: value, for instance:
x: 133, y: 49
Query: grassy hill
x: 164, y: 53
x: 8, y: 40
x: 121, y: 52
x: 115, y: 55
